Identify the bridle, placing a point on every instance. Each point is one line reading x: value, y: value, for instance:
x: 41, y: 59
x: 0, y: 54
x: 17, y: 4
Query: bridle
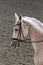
x: 21, y: 32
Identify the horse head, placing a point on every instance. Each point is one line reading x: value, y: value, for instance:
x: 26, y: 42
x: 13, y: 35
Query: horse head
x: 19, y: 23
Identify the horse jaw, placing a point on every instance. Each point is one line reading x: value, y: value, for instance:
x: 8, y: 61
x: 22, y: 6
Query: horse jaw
x: 24, y: 29
x: 16, y: 17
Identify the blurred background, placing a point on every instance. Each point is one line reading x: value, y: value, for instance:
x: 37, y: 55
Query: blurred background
x: 24, y: 54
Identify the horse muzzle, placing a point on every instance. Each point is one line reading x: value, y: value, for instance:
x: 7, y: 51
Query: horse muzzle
x: 15, y: 43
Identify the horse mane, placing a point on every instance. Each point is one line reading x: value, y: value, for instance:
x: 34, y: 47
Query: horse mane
x: 36, y: 24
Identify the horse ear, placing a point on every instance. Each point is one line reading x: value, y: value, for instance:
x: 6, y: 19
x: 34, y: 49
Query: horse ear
x: 16, y: 17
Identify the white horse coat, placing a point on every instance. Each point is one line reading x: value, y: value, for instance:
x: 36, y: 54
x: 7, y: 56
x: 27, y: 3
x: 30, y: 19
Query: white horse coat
x: 35, y: 29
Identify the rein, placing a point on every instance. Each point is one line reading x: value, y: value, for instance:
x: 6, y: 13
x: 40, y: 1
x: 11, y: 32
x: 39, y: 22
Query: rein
x: 27, y: 40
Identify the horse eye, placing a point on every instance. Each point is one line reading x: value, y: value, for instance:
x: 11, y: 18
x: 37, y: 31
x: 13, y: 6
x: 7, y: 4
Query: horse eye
x: 16, y: 29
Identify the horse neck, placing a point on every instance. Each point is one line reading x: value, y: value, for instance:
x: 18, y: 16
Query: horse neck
x: 35, y: 36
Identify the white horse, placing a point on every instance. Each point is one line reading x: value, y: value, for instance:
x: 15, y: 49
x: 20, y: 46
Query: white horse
x: 33, y: 28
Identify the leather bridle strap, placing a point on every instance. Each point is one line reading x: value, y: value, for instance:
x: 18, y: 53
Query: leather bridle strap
x: 20, y: 31
x: 37, y: 41
x: 27, y: 40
